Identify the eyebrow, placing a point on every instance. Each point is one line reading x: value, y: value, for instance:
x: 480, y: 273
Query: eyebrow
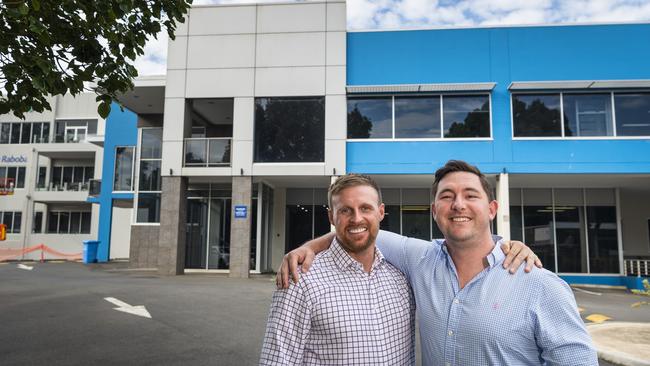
x: 470, y: 189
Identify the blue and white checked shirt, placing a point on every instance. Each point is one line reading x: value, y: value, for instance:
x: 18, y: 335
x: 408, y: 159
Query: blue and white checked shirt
x: 338, y: 314
x: 497, y: 319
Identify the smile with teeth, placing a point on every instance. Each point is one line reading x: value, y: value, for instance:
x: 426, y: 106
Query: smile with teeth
x: 460, y: 219
x: 357, y: 230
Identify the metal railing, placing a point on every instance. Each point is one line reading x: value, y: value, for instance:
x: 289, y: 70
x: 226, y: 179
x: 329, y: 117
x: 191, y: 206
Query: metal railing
x: 637, y: 267
x: 206, y: 152
x: 64, y: 187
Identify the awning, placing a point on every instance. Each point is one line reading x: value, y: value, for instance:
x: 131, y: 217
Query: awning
x: 419, y: 88
x: 579, y: 84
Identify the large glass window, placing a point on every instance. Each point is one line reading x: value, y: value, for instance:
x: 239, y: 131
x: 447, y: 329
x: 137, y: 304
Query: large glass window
x: 417, y: 117
x: 68, y: 222
x: 149, y: 182
x: 632, y: 114
x: 466, y: 116
x: 429, y: 116
x: 13, y: 221
x: 537, y: 115
x: 289, y: 130
x: 68, y: 178
x: 70, y: 131
x: 370, y: 118
x: 123, y: 180
x: 306, y: 213
x: 588, y: 115
x: 581, y: 114
x: 538, y: 225
x: 570, y: 234
x: 16, y: 174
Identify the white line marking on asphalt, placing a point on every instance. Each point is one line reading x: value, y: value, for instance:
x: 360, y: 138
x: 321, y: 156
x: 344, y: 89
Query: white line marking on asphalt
x: 138, y: 310
x: 22, y: 266
x: 587, y: 292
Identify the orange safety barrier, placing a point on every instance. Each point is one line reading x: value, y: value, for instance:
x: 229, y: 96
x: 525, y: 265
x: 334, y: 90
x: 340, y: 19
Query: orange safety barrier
x: 9, y: 254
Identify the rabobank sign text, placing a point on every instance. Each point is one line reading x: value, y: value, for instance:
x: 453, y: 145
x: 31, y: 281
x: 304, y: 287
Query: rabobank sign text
x: 13, y: 159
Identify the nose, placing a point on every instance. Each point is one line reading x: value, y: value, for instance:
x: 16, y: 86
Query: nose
x: 356, y: 216
x: 458, y: 204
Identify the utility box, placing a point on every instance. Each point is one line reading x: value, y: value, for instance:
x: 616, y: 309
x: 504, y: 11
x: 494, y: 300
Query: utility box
x: 90, y: 251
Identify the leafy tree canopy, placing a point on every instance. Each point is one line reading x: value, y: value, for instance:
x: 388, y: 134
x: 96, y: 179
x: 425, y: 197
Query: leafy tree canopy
x: 51, y: 47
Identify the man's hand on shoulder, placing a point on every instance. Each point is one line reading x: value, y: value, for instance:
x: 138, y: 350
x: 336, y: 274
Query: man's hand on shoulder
x: 516, y: 253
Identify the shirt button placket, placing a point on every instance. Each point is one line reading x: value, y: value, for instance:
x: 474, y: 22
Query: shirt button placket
x: 450, y: 344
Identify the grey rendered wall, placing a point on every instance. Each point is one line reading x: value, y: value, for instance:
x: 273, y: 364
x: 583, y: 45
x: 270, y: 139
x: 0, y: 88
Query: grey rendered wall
x: 635, y: 213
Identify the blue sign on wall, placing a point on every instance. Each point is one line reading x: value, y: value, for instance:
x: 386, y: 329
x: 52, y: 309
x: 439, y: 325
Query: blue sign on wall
x: 240, y: 212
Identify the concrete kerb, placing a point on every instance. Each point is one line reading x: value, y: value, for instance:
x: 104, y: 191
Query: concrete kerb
x: 622, y: 343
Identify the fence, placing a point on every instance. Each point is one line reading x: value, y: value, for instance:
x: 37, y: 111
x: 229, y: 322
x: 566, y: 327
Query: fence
x: 7, y: 254
x: 637, y: 267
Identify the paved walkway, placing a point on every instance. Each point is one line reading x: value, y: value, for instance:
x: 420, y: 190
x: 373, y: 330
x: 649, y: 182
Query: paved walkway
x: 622, y: 343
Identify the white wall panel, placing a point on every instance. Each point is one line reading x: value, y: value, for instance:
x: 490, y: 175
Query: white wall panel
x: 291, y: 18
x: 220, y: 83
x: 121, y: 229
x: 242, y: 157
x: 222, y: 20
x: 336, y: 17
x: 243, y: 119
x: 175, y: 84
x: 288, y: 169
x: 335, y: 50
x: 177, y: 53
x: 290, y: 81
x: 335, y: 117
x: 335, y: 80
x: 291, y: 49
x: 173, y: 119
x: 221, y: 51
x: 334, y: 157
x: 80, y: 106
x: 172, y: 157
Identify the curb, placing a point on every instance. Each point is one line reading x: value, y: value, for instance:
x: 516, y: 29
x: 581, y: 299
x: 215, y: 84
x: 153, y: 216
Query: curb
x: 611, y: 354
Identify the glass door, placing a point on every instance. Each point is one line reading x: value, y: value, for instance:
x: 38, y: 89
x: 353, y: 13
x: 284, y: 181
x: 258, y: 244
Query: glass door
x: 218, y: 256
x: 196, y: 230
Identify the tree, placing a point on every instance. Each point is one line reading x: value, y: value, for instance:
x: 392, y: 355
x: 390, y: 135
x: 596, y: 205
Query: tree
x: 52, y: 47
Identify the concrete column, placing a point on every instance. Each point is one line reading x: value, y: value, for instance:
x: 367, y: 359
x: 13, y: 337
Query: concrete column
x: 171, y: 240
x: 503, y: 214
x: 240, y: 227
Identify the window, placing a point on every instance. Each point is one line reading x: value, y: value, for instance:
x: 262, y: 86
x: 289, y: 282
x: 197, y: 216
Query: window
x: 579, y: 225
x: 24, y: 133
x: 306, y: 213
x: 37, y: 224
x: 429, y: 116
x: 149, y: 182
x: 289, y: 130
x: 41, y: 179
x: 13, y: 221
x: 581, y: 114
x: 71, y: 178
x: 15, y: 173
x: 68, y: 222
x: 70, y: 131
x: 123, y: 180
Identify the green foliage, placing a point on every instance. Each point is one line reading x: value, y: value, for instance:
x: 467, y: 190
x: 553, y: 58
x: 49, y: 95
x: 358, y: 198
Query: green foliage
x: 51, y: 47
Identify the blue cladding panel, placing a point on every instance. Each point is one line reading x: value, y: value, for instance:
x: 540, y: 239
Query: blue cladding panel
x: 121, y: 130
x: 501, y: 55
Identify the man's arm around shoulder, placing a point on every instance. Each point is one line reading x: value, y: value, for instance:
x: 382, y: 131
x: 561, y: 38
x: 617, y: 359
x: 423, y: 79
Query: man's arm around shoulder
x: 288, y: 327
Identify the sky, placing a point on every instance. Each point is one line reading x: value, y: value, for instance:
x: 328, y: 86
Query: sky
x: 393, y: 14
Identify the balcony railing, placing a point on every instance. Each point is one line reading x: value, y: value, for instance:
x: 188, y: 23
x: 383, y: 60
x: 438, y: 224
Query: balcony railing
x: 64, y: 187
x: 637, y: 267
x: 207, y: 152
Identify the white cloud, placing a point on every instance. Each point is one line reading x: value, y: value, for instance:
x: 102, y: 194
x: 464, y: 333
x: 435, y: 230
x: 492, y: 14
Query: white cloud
x: 391, y: 14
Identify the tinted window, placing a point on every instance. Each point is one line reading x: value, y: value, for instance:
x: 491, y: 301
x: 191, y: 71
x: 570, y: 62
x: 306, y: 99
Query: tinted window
x: 588, y: 115
x: 370, y: 118
x: 632, y: 114
x: 151, y: 143
x: 536, y: 115
x: 417, y: 117
x: 290, y: 129
x: 123, y: 169
x: 150, y: 175
x: 466, y: 116
x: 148, y: 207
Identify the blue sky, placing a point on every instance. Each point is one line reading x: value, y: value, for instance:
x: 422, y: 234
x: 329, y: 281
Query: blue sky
x: 392, y: 14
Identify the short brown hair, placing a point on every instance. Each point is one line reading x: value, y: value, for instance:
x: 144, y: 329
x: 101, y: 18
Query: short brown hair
x: 351, y: 180
x: 453, y: 166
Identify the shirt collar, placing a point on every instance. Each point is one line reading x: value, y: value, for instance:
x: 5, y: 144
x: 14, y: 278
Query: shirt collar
x: 344, y: 261
x: 493, y: 258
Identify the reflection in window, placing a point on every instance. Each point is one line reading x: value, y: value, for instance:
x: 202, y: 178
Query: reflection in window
x: 632, y: 114
x: 151, y: 144
x: 289, y: 130
x: 466, y: 116
x: 588, y: 115
x: 149, y: 179
x: 538, y: 230
x: 13, y: 221
x: 391, y: 221
x: 536, y: 115
x: 68, y: 222
x: 370, y: 118
x: 416, y: 221
x: 603, y: 239
x: 417, y: 117
x: 123, y: 180
x: 148, y: 207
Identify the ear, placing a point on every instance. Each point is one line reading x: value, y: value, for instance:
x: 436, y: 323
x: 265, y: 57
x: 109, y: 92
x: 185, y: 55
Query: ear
x: 382, y: 211
x: 493, y: 206
x: 330, y: 215
x: 433, y: 209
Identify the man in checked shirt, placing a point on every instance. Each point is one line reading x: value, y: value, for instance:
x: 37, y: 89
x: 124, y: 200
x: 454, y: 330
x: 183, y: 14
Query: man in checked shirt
x: 352, y: 307
x: 470, y: 310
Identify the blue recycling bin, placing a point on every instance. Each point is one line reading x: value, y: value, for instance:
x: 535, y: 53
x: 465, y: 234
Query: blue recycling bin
x: 90, y: 251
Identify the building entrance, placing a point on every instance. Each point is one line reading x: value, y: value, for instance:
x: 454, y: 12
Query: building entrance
x: 207, y: 230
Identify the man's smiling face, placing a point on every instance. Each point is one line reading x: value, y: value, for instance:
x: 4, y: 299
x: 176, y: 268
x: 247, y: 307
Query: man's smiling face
x: 356, y: 214
x: 462, y: 208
